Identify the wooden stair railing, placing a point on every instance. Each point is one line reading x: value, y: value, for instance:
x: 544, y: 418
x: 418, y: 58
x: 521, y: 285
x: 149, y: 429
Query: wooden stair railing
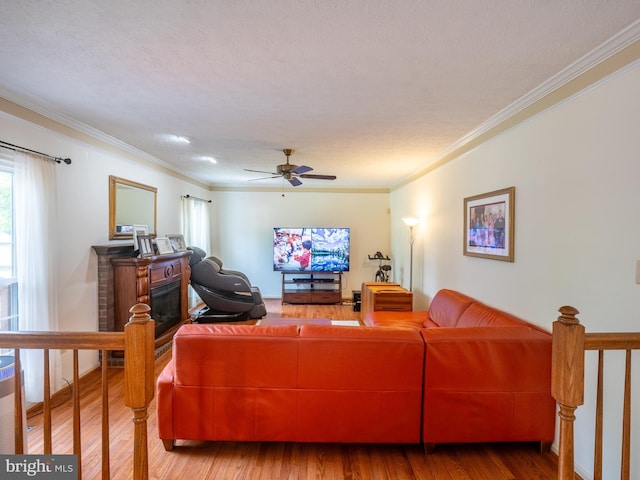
x: 137, y: 341
x: 567, y: 386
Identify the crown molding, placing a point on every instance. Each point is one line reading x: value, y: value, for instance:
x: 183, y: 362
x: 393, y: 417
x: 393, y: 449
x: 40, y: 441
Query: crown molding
x: 619, y: 51
x: 601, y: 62
x: 289, y: 190
x: 59, y: 124
x: 597, y: 56
x: 43, y: 109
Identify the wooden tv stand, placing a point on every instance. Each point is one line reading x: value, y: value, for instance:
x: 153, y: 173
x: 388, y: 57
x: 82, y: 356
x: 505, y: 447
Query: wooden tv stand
x: 308, y: 287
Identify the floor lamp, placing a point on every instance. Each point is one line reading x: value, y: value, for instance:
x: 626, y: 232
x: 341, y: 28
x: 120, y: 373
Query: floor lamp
x: 411, y: 222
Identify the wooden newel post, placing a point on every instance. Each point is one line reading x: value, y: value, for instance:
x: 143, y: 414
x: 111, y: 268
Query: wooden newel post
x: 139, y: 340
x: 567, y: 382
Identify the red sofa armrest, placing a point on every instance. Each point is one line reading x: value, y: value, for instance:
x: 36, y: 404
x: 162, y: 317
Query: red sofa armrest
x: 164, y: 402
x: 488, y: 358
x: 487, y: 384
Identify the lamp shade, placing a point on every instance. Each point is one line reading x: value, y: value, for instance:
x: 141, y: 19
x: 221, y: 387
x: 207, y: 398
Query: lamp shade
x: 411, y: 221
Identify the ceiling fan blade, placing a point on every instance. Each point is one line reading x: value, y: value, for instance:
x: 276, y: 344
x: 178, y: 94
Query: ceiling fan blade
x: 261, y: 171
x: 319, y: 177
x: 294, y: 181
x: 262, y: 178
x: 301, y: 169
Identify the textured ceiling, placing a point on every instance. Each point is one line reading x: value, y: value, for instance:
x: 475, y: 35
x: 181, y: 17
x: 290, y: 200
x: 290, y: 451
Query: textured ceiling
x: 368, y: 90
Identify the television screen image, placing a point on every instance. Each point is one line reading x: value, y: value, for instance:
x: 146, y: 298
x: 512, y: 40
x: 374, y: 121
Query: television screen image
x: 289, y: 249
x: 311, y: 249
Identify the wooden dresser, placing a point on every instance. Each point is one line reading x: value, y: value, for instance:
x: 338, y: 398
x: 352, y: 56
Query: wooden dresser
x: 385, y: 296
x: 136, y: 279
x: 160, y: 281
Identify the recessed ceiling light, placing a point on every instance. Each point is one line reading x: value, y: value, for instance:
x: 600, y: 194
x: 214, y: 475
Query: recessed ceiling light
x: 208, y: 159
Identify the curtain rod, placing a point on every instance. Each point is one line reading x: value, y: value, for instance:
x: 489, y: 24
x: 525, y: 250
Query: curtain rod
x: 196, y: 198
x: 16, y: 148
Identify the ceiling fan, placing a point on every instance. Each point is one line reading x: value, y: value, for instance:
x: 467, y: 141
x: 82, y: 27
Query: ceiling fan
x: 290, y: 172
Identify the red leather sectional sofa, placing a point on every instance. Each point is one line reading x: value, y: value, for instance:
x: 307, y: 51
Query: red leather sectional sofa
x: 459, y: 372
x: 309, y: 383
x: 487, y: 373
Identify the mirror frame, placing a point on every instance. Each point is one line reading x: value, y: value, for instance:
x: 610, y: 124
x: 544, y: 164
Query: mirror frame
x: 113, y: 187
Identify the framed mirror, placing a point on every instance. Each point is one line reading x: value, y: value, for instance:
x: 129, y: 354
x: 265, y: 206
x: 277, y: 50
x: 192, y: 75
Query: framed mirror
x: 130, y: 203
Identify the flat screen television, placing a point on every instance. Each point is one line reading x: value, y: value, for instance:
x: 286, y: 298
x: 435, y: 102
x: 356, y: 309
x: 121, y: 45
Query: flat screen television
x: 311, y: 249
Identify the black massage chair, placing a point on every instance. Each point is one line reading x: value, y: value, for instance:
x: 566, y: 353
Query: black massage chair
x: 228, y: 294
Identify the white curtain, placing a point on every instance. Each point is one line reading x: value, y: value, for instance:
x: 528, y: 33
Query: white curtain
x: 195, y: 228
x: 35, y: 213
x: 195, y: 223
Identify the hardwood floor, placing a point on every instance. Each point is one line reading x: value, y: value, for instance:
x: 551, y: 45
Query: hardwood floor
x: 334, y: 312
x: 262, y: 460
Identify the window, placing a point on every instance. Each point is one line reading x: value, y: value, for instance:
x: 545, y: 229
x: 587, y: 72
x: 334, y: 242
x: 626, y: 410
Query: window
x: 8, y: 277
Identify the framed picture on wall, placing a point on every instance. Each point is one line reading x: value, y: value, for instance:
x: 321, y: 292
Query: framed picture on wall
x: 145, y: 245
x: 489, y: 225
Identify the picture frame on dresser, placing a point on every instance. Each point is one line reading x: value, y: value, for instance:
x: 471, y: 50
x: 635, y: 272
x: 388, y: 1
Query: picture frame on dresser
x: 137, y: 231
x: 164, y: 245
x: 177, y: 242
x: 145, y: 246
x: 489, y: 225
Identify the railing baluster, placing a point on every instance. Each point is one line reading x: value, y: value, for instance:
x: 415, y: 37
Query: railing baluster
x: 567, y: 387
x: 139, y: 381
x: 46, y: 404
x: 18, y: 402
x: 567, y: 382
x: 106, y: 469
x: 77, y: 443
x: 597, y: 454
x: 138, y: 343
x: 626, y: 421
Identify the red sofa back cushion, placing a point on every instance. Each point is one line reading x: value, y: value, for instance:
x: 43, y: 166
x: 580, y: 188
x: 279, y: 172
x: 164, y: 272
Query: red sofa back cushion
x: 202, y: 355
x: 359, y: 384
x: 480, y: 315
x: 363, y: 358
x: 447, y: 306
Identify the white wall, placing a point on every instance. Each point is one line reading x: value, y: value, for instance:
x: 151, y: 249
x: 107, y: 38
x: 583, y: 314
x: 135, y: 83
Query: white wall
x: 83, y: 216
x: 242, y: 222
x: 243, y: 225
x: 576, y: 170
